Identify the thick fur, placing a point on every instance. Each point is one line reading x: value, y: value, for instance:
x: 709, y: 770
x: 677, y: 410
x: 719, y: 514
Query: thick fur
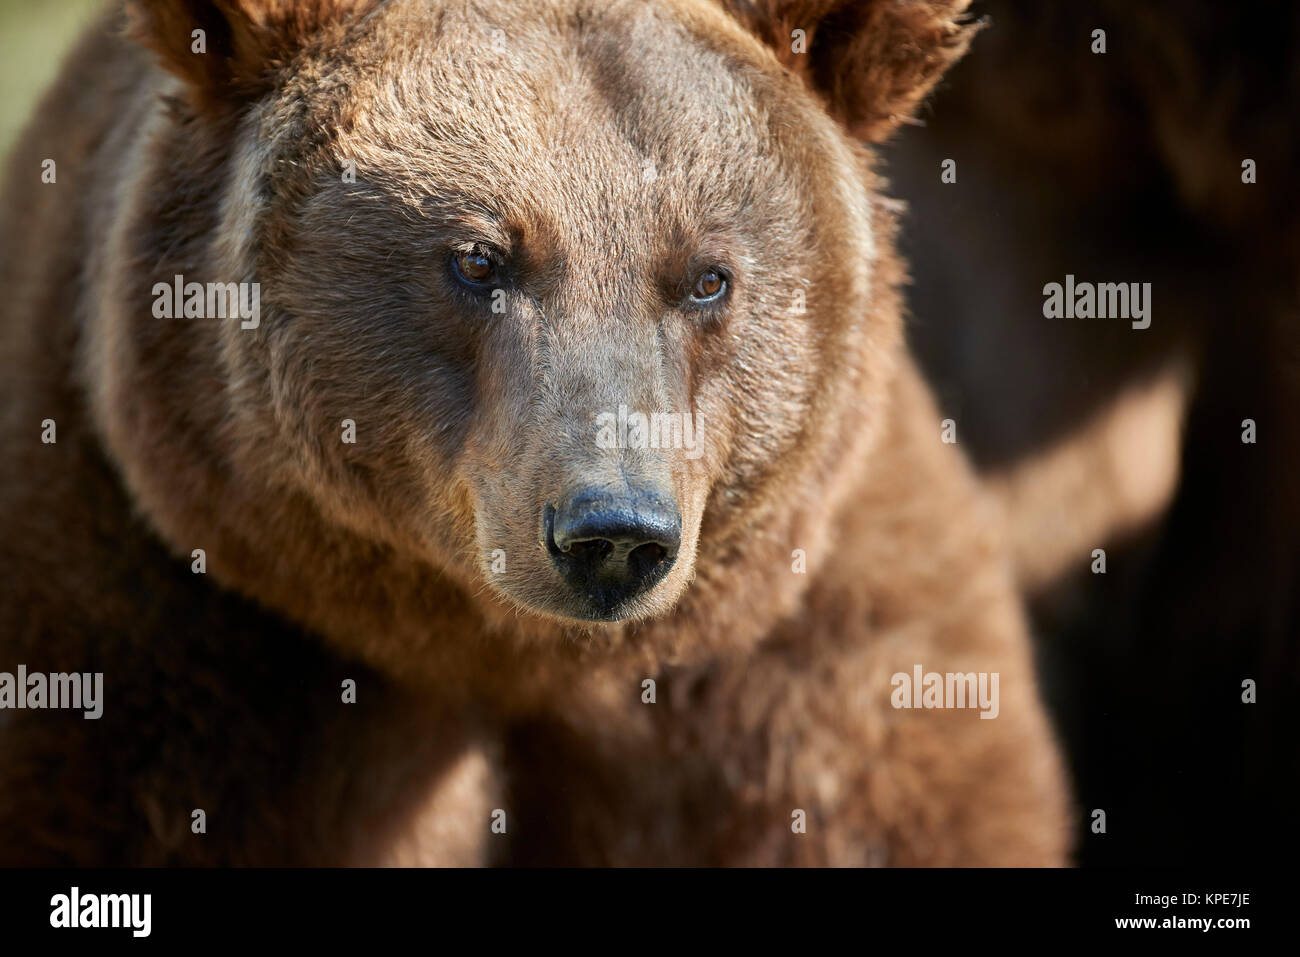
x: 533, y: 125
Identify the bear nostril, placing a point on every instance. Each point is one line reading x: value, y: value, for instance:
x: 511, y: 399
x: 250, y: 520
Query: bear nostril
x: 645, y: 558
x: 592, y: 551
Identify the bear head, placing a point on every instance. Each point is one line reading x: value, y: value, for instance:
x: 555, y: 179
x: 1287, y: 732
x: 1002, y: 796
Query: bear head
x: 561, y: 306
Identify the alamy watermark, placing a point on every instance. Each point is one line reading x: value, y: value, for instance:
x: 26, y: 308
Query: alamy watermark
x: 1103, y: 300
x: 76, y: 690
x: 658, y: 430
x: 931, y: 689
x: 214, y: 300
x: 130, y: 911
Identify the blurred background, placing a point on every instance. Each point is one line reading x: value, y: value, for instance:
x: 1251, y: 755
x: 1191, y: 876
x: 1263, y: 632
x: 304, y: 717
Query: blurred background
x: 1123, y: 166
x: 34, y: 36
x: 1126, y: 166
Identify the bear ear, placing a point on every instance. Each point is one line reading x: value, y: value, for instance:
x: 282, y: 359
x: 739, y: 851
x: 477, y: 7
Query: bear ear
x: 872, y: 61
x: 227, y: 51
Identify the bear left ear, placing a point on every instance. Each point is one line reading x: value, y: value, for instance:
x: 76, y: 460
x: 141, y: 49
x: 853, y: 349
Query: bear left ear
x: 227, y: 51
x: 872, y: 61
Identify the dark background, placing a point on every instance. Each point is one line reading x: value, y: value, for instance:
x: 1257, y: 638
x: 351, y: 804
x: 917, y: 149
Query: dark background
x: 1126, y: 166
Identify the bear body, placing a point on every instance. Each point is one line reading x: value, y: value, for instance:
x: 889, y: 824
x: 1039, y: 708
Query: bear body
x: 736, y: 706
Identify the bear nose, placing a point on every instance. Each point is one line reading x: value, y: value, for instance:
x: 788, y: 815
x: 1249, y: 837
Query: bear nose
x: 613, y: 547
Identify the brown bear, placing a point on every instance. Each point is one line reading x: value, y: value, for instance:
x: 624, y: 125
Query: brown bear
x: 482, y: 432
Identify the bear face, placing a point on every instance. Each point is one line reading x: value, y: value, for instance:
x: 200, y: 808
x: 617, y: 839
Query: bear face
x: 596, y: 190
x: 486, y: 237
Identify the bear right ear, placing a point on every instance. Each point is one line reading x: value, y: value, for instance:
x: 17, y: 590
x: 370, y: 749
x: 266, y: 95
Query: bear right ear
x: 871, y: 61
x: 227, y: 51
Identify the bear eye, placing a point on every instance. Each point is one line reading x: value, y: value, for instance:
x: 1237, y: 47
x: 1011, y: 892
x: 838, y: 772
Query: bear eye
x: 710, y: 286
x: 475, y: 267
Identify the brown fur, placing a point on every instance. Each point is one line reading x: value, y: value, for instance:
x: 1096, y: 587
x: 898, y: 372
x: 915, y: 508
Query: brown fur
x: 480, y: 691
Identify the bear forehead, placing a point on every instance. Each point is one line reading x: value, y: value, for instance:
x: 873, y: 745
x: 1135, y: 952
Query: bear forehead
x: 618, y: 102
x: 567, y: 62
